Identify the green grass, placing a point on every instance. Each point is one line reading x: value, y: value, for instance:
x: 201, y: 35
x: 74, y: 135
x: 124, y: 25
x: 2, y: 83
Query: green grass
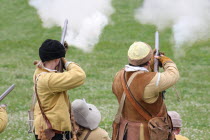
x: 22, y: 33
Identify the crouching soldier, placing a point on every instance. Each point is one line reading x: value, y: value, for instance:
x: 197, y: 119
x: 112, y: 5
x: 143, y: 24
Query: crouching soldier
x: 52, y: 115
x: 87, y: 118
x: 3, y: 118
x: 177, y: 124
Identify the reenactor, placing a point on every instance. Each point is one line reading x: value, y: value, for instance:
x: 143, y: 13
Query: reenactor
x: 87, y: 118
x: 177, y: 124
x: 140, y: 95
x: 52, y: 111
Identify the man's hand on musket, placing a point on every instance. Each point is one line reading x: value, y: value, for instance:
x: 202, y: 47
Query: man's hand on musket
x: 66, y: 45
x: 152, y: 60
x: 64, y: 61
x: 163, y: 59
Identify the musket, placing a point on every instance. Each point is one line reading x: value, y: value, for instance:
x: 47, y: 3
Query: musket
x: 156, y: 63
x: 7, y: 92
x: 64, y: 31
x: 31, y: 114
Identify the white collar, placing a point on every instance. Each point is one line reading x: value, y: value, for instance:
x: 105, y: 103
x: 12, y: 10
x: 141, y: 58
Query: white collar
x: 50, y: 70
x: 135, y: 68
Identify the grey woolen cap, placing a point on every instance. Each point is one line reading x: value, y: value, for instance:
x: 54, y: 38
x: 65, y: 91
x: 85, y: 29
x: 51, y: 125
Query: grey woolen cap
x: 51, y: 49
x: 176, y: 119
x: 86, y: 115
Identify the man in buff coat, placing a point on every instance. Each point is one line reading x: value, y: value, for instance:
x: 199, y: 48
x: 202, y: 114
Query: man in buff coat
x: 146, y: 88
x: 51, y: 87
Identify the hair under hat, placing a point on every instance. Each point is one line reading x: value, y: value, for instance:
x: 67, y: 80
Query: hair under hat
x: 176, y: 119
x: 86, y: 115
x: 139, y: 53
x: 51, y: 49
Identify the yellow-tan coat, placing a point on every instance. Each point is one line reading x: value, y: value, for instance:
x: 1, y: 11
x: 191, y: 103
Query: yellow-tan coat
x: 3, y: 119
x: 180, y: 137
x: 96, y: 134
x: 52, y: 90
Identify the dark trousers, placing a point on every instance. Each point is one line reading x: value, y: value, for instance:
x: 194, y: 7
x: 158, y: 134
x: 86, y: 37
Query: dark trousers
x: 59, y: 136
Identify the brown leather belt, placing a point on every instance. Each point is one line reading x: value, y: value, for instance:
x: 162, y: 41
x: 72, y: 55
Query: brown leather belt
x: 60, y: 132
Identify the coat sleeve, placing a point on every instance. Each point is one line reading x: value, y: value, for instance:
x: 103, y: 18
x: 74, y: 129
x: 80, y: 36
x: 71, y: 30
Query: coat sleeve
x: 167, y: 78
x: 3, y: 119
x: 58, y: 82
x: 161, y: 82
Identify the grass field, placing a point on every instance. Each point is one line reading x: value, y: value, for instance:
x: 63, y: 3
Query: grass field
x: 22, y: 33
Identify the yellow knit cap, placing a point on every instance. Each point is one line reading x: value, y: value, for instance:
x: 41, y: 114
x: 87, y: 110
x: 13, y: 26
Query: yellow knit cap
x: 139, y: 53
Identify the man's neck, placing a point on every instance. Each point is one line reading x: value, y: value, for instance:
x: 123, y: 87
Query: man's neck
x: 49, y: 65
x: 147, y: 66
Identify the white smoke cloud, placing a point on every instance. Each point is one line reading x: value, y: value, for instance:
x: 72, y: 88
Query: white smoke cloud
x: 87, y: 18
x: 189, y: 19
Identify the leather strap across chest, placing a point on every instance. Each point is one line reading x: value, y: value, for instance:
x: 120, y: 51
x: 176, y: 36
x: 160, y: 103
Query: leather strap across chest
x: 40, y: 105
x: 87, y: 135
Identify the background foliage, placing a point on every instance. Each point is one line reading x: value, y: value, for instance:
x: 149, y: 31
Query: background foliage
x: 22, y: 33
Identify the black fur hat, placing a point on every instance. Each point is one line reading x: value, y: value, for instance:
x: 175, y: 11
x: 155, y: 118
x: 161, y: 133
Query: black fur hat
x: 51, y: 49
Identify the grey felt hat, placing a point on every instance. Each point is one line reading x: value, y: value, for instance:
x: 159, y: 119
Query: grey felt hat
x: 176, y: 119
x: 86, y: 115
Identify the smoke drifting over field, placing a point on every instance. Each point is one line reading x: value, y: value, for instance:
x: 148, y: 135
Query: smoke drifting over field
x: 189, y: 19
x: 87, y: 18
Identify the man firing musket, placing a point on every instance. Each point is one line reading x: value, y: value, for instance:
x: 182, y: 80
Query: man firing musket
x: 142, y: 112
x: 3, y: 113
x: 60, y: 68
x: 52, y: 109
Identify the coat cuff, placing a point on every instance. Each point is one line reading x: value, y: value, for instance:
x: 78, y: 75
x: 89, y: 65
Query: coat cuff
x: 67, y: 64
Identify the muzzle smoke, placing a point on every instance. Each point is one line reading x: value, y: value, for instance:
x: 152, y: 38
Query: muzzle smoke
x: 87, y: 18
x: 189, y: 19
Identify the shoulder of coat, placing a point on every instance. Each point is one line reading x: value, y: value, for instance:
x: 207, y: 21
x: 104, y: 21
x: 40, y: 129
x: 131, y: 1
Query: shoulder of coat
x: 100, y: 132
x: 180, y: 137
x: 119, y: 72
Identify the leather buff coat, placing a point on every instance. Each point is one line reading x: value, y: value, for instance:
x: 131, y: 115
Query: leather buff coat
x: 146, y: 87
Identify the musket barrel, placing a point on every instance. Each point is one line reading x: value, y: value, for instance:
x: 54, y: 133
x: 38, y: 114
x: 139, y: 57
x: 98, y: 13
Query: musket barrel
x: 64, y: 31
x: 7, y: 92
x: 157, y: 51
x: 157, y: 42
